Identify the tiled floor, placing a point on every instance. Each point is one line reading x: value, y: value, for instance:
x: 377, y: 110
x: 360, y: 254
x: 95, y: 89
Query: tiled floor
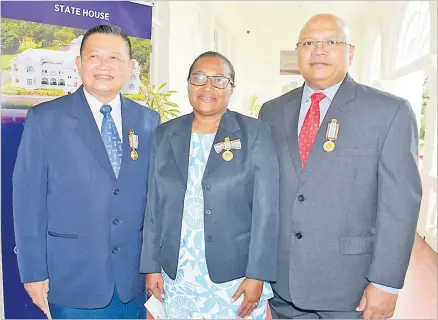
x: 418, y: 298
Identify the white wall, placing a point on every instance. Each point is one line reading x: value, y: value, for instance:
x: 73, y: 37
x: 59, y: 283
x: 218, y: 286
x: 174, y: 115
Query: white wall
x: 159, y: 66
x: 255, y: 55
x: 182, y: 31
x: 259, y: 61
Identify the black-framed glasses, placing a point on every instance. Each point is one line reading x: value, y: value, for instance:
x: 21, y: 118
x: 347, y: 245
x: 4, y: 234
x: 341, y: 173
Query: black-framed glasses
x: 219, y: 82
x: 326, y: 44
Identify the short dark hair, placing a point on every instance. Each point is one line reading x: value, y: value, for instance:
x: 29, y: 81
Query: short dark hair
x: 219, y: 55
x: 107, y: 29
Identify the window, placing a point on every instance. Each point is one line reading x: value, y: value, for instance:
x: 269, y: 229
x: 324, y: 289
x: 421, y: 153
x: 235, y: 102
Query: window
x: 61, y: 82
x: 30, y: 69
x: 415, y: 34
x: 289, y: 87
x: 131, y: 87
x: 288, y: 63
x: 44, y: 81
x: 53, y: 81
x: 133, y: 77
x: 29, y: 82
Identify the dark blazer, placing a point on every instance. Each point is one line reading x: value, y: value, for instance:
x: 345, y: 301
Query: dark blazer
x: 240, y: 201
x: 349, y: 217
x: 75, y: 223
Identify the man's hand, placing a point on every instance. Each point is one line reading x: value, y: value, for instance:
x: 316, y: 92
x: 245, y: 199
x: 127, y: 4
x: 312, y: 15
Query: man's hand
x: 252, y: 290
x: 376, y: 303
x: 38, y: 293
x: 155, y: 285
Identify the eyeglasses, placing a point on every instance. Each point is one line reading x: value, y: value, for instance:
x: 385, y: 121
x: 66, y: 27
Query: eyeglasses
x: 326, y: 44
x: 218, y: 82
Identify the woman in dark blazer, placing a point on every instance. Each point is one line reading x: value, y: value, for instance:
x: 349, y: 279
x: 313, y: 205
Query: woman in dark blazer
x: 211, y: 224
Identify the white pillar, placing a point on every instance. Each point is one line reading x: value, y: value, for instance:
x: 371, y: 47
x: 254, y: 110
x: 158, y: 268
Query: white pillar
x: 427, y: 223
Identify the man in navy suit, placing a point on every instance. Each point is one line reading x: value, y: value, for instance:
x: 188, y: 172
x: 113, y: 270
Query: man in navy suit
x: 80, y: 184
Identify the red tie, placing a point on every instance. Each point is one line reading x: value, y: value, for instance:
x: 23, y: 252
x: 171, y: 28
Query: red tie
x: 310, y: 127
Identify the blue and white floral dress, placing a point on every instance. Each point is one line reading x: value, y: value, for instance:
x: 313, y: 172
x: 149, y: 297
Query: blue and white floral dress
x: 192, y: 294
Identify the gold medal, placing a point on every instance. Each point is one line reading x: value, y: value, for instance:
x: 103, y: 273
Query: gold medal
x: 133, y: 143
x: 330, y: 135
x: 134, y: 155
x: 227, y: 155
x: 329, y: 146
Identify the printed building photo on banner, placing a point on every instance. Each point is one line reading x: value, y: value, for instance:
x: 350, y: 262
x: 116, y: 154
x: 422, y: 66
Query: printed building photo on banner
x: 39, y: 43
x: 54, y: 66
x: 39, y: 64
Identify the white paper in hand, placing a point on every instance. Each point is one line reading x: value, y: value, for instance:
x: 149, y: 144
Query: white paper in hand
x: 49, y: 316
x: 155, y: 308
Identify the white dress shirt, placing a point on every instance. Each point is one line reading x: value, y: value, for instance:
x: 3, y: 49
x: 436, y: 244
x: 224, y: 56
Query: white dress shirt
x: 324, y: 104
x: 116, y: 111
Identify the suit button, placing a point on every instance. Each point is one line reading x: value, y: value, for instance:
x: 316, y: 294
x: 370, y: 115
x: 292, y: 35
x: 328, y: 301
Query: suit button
x: 115, y: 250
x: 299, y: 235
x: 300, y: 198
x: 116, y: 221
x: 208, y: 211
x: 209, y: 238
x: 207, y: 187
x: 116, y: 191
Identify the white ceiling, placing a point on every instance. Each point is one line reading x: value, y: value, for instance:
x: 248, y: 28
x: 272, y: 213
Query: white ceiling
x: 287, y: 15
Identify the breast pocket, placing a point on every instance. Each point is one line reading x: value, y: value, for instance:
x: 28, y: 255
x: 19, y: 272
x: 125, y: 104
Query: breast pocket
x: 356, y: 152
x: 357, y: 164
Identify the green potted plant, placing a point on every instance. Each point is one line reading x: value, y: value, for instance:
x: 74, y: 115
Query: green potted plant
x: 158, y: 100
x: 254, y: 106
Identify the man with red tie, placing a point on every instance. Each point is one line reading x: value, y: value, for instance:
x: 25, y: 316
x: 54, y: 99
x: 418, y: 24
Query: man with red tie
x: 350, y: 189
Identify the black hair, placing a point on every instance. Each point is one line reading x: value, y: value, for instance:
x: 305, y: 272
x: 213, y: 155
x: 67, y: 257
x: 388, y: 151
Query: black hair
x: 219, y: 55
x: 107, y: 29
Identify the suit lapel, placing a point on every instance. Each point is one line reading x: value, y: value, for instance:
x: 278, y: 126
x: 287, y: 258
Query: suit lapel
x: 291, y: 117
x: 88, y: 131
x: 180, y: 144
x: 130, y: 120
x: 337, y: 110
x: 228, y: 127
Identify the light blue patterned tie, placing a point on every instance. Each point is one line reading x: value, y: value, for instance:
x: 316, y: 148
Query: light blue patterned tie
x: 111, y: 138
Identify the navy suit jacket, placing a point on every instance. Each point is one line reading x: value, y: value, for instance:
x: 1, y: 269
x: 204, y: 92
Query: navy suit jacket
x: 75, y: 223
x: 241, y: 201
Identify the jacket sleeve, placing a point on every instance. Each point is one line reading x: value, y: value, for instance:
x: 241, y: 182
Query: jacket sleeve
x: 150, y: 262
x: 262, y: 262
x: 399, y: 197
x: 29, y: 202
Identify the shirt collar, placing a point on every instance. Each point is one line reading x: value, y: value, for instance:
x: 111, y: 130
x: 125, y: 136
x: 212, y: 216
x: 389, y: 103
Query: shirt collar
x: 95, y: 104
x: 329, y: 92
